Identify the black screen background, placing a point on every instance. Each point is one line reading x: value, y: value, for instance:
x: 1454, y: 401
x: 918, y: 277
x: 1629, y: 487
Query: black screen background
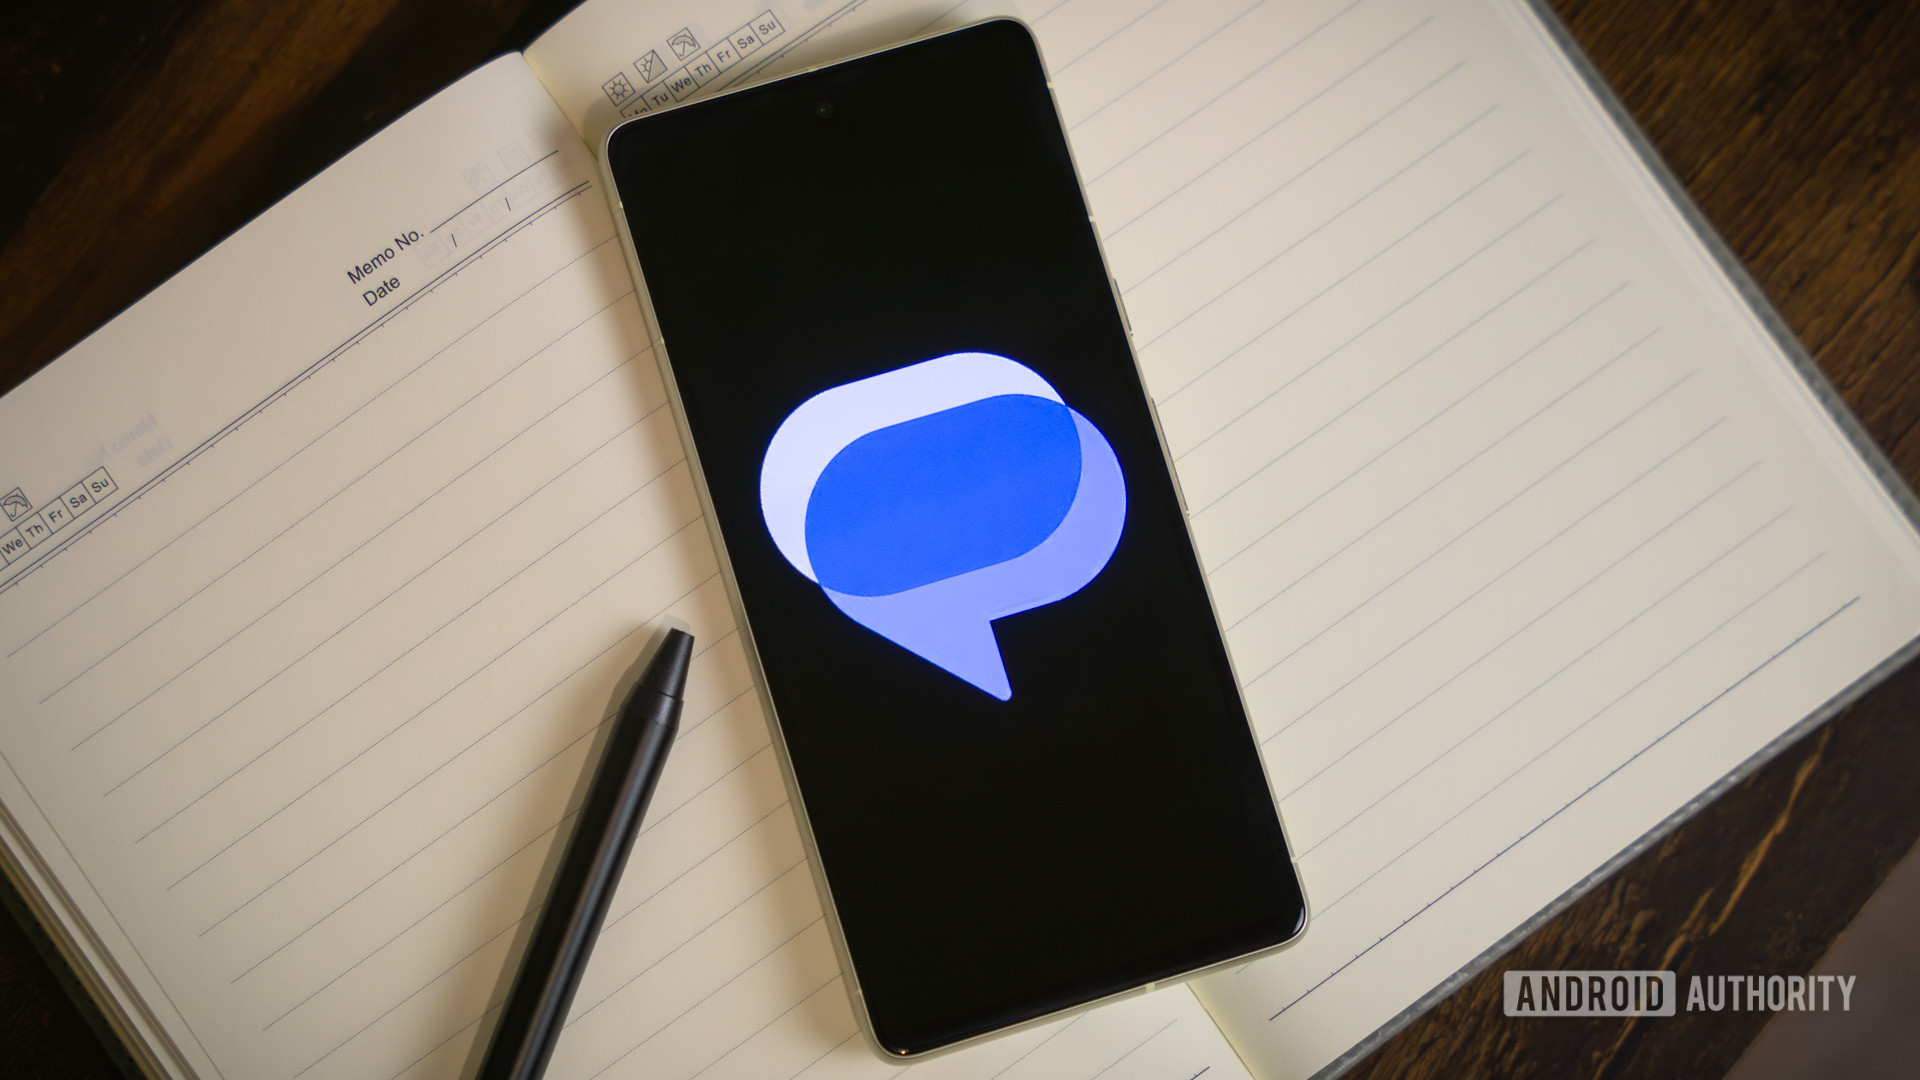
x: 990, y: 862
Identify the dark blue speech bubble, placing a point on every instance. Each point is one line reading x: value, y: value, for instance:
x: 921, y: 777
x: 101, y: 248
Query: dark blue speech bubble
x: 943, y: 494
x: 930, y: 500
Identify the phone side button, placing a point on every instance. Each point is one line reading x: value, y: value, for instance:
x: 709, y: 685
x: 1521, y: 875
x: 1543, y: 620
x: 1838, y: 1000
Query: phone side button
x: 1166, y: 450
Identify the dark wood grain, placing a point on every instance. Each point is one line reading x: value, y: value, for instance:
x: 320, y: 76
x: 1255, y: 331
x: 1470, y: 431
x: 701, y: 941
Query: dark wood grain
x: 139, y: 134
x: 221, y: 109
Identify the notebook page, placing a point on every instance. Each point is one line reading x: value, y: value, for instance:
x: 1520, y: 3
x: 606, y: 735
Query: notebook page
x: 1523, y: 530
x: 302, y: 689
x: 169, y: 463
x: 96, y: 450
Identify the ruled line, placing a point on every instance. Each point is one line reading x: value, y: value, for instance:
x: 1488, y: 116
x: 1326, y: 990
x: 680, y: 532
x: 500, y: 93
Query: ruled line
x: 112, y: 510
x: 1320, y: 226
x: 1317, y: 95
x: 1396, y: 376
x: 729, y: 1051
x: 823, y: 1054
x: 551, y: 830
x: 416, y: 715
x: 1562, y: 670
x: 1618, y: 425
x: 1417, y: 429
x: 1136, y: 1049
x: 1430, y: 488
x: 1649, y: 677
x: 1231, y: 87
x: 322, y: 504
x: 442, y: 835
x: 576, y: 1015
x: 1177, y: 57
x: 362, y: 545
x: 290, y: 665
x: 1657, y: 533
x: 1568, y: 805
x: 1337, y: 282
x: 1555, y: 606
x: 1054, y: 1034
x: 818, y: 920
x: 296, y: 729
x: 544, y: 157
x: 1124, y: 27
x: 350, y: 414
x: 430, y: 773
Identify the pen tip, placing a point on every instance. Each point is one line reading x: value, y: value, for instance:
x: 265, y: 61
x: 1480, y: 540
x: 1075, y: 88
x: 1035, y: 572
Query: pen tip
x: 666, y: 673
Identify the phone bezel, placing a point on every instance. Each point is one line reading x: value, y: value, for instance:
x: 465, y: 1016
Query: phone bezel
x: 822, y: 887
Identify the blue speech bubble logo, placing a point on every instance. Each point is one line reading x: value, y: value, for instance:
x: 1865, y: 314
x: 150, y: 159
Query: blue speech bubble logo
x: 930, y: 500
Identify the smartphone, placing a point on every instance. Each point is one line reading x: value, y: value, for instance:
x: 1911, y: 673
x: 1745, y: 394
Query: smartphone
x: 957, y: 552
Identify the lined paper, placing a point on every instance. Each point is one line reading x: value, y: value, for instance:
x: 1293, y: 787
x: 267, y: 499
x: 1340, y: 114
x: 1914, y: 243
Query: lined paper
x: 1522, y: 531
x: 309, y: 703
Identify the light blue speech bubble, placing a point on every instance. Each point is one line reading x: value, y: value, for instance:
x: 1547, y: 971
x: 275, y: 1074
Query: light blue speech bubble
x: 930, y: 500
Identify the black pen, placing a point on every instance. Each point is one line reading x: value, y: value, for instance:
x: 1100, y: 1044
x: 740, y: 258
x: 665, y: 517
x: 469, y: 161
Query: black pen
x: 536, y: 1007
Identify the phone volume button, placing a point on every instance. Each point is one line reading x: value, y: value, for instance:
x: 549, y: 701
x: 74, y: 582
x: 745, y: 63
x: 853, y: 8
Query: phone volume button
x: 1121, y: 304
x: 1166, y: 452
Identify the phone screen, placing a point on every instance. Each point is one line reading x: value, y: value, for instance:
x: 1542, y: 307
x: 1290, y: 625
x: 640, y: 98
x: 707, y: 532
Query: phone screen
x: 1008, y: 709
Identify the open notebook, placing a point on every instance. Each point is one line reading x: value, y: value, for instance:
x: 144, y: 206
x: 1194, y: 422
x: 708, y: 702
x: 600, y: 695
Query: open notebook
x: 1528, y: 523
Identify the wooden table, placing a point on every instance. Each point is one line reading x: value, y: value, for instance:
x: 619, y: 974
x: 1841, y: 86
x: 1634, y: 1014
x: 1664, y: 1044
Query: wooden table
x: 139, y: 134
